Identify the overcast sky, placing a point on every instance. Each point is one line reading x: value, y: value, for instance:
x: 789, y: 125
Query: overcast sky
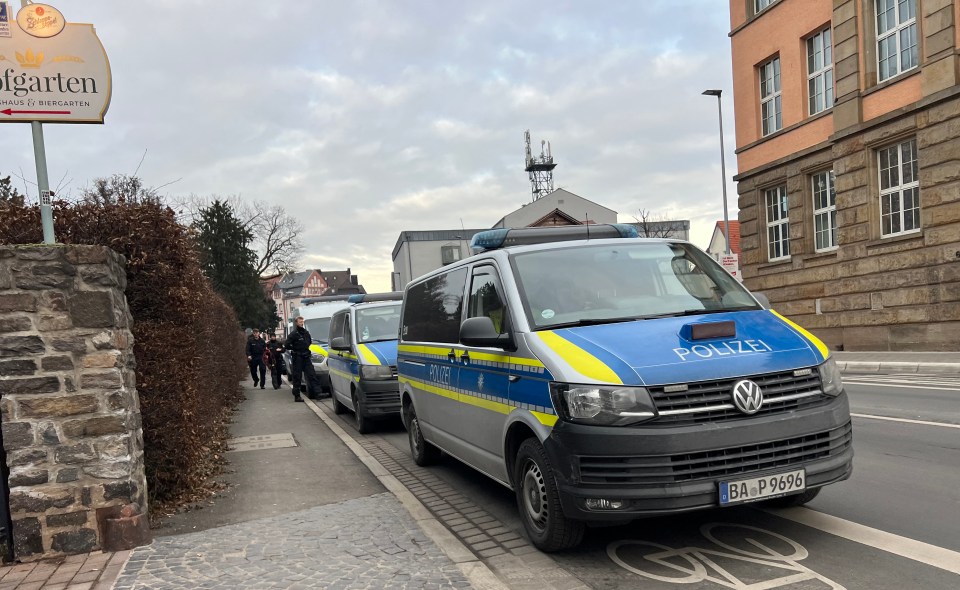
x: 367, y: 118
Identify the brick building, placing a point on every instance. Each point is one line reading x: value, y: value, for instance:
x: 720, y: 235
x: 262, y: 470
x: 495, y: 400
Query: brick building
x: 848, y: 150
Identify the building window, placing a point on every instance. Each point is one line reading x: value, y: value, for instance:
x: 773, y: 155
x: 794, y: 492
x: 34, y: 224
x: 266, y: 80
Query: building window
x: 899, y: 189
x: 778, y: 224
x: 824, y: 211
x: 820, y: 71
x: 449, y: 254
x: 896, y: 37
x: 759, y: 5
x: 770, y: 96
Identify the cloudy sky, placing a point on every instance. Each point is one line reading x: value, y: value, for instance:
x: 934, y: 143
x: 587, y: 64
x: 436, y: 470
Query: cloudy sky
x: 366, y: 118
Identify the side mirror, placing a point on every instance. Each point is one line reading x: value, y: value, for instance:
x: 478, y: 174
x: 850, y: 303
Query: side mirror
x: 339, y: 343
x: 762, y: 299
x: 481, y: 332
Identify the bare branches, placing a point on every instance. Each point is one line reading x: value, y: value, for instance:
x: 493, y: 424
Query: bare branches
x: 276, y: 234
x: 650, y: 225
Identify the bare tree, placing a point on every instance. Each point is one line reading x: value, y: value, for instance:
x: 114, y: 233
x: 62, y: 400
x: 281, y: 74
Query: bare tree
x: 650, y: 225
x: 276, y: 234
x: 119, y: 187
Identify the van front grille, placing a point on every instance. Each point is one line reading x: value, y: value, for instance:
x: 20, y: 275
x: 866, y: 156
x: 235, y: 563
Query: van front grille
x: 657, y: 470
x: 712, y: 401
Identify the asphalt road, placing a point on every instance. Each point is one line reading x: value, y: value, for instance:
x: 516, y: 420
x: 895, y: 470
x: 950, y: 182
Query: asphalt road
x: 892, y: 525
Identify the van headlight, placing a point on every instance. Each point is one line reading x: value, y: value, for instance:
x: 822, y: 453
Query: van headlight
x: 830, y: 380
x: 318, y: 357
x: 605, y: 405
x: 376, y: 372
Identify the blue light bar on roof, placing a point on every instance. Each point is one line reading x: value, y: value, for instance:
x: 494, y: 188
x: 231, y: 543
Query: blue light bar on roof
x: 504, y: 238
x: 369, y: 297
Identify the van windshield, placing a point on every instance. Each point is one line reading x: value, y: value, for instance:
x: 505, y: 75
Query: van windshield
x: 375, y: 324
x: 594, y: 284
x: 319, y: 329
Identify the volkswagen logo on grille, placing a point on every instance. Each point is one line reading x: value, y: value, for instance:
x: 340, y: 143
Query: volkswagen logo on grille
x: 747, y: 396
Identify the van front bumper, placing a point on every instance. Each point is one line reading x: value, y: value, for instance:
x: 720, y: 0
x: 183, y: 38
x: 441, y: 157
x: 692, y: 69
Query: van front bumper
x: 661, y: 470
x: 379, y: 397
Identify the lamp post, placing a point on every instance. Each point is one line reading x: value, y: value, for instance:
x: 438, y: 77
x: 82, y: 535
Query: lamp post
x: 723, y: 169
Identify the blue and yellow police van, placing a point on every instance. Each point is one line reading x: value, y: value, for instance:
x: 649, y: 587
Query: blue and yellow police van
x: 362, y: 358
x: 604, y: 377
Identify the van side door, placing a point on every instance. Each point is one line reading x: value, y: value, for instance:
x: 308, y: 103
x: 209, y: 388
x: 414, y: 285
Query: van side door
x: 336, y: 362
x: 485, y: 376
x: 428, y: 354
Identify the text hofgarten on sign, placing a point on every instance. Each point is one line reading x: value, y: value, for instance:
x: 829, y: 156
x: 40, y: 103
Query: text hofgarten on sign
x: 64, y: 78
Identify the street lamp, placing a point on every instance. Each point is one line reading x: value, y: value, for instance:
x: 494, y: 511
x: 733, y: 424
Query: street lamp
x: 723, y: 169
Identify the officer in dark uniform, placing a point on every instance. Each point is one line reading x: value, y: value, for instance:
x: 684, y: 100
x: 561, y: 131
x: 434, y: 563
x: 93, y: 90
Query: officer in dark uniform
x: 255, y: 348
x: 298, y: 343
x: 278, y: 367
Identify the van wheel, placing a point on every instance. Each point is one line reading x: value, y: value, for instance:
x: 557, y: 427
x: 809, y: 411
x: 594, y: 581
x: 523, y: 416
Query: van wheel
x: 423, y: 453
x: 539, y: 501
x: 338, y: 408
x: 364, y: 424
x: 793, y: 499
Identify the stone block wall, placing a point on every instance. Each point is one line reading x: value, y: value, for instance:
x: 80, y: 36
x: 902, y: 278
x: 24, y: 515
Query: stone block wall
x: 71, y: 429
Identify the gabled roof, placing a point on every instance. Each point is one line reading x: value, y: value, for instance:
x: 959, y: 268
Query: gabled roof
x: 555, y: 195
x: 557, y: 213
x: 734, y: 235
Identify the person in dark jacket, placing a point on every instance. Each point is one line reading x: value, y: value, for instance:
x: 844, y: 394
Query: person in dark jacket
x: 298, y: 343
x: 255, y: 348
x: 278, y: 367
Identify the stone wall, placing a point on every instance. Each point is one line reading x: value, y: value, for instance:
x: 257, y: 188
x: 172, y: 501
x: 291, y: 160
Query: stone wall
x: 71, y: 427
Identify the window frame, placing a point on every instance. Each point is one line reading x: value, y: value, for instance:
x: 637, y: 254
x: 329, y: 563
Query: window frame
x: 480, y: 272
x: 761, y: 5
x: 825, y: 72
x: 827, y: 212
x: 895, y: 33
x: 780, y: 225
x: 450, y: 248
x: 773, y: 97
x: 442, y: 328
x: 899, y: 189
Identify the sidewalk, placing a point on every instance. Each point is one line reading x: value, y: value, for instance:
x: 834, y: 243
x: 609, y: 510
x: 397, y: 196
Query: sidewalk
x: 301, y: 512
x: 898, y: 362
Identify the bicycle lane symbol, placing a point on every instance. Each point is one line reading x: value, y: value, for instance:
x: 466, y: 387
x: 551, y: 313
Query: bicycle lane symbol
x: 690, y: 565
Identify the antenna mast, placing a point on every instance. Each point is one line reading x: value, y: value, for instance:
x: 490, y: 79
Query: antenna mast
x: 540, y: 168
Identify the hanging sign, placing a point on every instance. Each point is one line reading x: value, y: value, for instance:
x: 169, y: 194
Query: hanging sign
x: 4, y: 19
x: 52, y: 71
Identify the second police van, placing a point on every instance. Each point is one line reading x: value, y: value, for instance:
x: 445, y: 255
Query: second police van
x: 604, y: 377
x: 363, y: 358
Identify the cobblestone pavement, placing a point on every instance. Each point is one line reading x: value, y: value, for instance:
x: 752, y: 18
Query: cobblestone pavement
x: 87, y: 571
x: 511, y: 557
x: 364, y: 543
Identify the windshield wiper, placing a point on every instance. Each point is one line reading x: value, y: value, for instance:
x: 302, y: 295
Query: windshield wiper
x: 686, y: 312
x: 589, y: 322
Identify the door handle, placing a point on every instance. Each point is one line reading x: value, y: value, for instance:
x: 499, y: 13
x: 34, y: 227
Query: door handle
x: 513, y: 378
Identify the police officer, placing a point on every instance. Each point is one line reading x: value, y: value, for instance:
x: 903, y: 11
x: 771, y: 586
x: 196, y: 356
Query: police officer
x: 275, y: 360
x: 255, y: 348
x: 298, y: 343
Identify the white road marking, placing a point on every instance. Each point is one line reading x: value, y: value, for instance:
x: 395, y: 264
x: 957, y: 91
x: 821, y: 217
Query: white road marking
x: 938, y: 557
x: 899, y: 385
x: 906, y: 420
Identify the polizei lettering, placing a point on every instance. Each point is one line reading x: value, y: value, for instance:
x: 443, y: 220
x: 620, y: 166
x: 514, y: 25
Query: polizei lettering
x: 440, y: 374
x: 707, y: 351
x: 22, y: 84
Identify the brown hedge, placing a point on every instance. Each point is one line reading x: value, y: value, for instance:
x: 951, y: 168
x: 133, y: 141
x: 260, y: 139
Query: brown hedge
x: 188, y: 344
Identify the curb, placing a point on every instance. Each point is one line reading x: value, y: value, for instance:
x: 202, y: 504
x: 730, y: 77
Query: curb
x: 899, y: 367
x: 477, y: 572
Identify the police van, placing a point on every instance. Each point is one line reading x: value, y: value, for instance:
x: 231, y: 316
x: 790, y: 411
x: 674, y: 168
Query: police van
x: 363, y: 358
x: 316, y: 313
x: 604, y: 377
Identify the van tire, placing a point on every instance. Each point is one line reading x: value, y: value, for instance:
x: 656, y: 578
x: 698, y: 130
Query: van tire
x: 793, y: 499
x: 538, y: 501
x: 364, y: 424
x: 423, y: 453
x: 338, y: 408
